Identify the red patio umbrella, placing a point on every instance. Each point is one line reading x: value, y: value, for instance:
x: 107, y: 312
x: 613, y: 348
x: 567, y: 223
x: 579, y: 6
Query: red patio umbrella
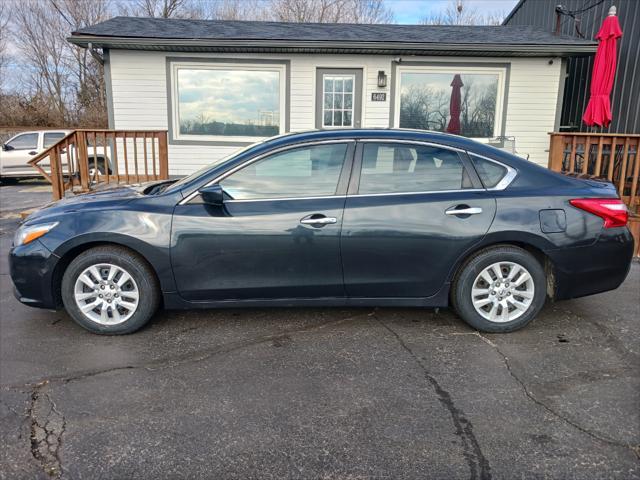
x: 455, y: 105
x: 598, y: 110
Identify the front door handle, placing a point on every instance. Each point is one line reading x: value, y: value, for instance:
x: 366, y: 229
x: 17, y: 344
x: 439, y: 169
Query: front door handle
x: 318, y: 219
x: 464, y: 211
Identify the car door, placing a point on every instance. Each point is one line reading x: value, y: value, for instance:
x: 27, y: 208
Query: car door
x: 18, y: 151
x: 277, y: 235
x: 412, y: 210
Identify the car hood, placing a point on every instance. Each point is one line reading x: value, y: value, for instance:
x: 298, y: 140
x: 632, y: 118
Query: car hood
x: 101, y: 199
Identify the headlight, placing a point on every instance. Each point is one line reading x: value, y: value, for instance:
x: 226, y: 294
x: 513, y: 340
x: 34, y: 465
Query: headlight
x: 29, y: 233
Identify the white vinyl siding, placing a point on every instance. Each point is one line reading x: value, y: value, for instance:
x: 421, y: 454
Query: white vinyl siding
x: 139, y: 89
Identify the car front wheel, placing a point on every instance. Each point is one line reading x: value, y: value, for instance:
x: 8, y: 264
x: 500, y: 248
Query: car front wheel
x: 501, y: 289
x: 110, y: 290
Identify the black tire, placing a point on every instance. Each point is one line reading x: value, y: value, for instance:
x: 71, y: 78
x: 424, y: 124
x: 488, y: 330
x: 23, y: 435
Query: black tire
x: 9, y: 180
x: 134, y: 265
x: 462, y: 300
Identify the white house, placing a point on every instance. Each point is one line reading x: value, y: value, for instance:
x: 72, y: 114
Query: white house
x: 219, y: 85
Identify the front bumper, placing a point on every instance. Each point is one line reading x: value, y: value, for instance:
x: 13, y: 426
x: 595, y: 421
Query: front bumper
x: 596, y: 268
x: 32, y: 268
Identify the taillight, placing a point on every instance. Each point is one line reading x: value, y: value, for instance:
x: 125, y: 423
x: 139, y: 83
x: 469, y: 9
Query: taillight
x: 612, y: 210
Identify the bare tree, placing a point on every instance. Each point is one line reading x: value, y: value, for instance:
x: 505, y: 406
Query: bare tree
x: 4, y: 22
x: 40, y: 41
x: 461, y: 12
x: 236, y: 10
x: 193, y: 9
x: 331, y: 11
x: 85, y: 67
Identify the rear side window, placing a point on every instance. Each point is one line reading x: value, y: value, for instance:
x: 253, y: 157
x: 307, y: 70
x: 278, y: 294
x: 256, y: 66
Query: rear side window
x: 489, y: 172
x: 398, y: 168
x: 51, y: 138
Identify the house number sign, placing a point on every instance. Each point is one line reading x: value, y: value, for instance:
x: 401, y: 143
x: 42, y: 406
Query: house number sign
x: 379, y: 97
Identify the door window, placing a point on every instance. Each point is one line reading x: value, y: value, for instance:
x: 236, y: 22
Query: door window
x: 300, y: 172
x: 26, y: 141
x: 52, y: 138
x: 398, y: 168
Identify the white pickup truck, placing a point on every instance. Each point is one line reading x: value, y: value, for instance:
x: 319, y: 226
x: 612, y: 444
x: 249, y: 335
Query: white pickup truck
x: 21, y: 148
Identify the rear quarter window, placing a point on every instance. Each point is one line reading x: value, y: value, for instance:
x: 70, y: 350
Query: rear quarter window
x: 489, y: 172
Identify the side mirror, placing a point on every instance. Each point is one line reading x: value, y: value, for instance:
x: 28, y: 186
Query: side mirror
x: 213, y: 195
x: 6, y: 147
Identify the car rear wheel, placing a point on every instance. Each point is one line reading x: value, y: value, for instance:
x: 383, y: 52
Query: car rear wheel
x: 110, y: 290
x: 501, y: 289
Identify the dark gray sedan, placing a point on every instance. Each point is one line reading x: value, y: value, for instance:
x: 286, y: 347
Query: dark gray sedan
x: 344, y: 217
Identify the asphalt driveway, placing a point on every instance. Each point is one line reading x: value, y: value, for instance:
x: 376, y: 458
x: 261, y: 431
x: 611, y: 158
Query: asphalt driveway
x: 319, y: 393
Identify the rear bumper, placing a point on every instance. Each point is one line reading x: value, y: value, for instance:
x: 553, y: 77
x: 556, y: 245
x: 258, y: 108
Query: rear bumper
x: 32, y: 267
x: 596, y: 268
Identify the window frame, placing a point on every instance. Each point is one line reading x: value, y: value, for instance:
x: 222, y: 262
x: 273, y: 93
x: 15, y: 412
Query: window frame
x: 37, y: 134
x: 174, y: 65
x: 354, y: 183
x: 354, y: 79
x: 343, y: 179
x: 457, y: 68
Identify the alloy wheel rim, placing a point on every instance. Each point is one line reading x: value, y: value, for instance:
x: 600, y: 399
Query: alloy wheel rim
x: 503, y: 292
x: 106, y: 294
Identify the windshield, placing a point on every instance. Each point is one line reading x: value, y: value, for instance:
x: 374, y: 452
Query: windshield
x: 183, y: 181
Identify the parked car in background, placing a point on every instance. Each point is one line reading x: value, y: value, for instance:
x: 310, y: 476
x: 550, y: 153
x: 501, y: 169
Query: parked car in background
x: 326, y: 218
x: 24, y: 146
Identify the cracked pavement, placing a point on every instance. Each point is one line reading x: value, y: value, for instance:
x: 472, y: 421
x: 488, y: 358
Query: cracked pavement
x: 319, y: 393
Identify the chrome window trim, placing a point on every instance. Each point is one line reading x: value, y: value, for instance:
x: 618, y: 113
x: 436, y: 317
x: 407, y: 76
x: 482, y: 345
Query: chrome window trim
x: 429, y: 192
x: 506, y: 180
x: 414, y: 142
x: 279, y: 199
x: 224, y: 175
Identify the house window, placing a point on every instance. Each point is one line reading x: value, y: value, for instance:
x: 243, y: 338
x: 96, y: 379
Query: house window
x: 219, y: 102
x: 461, y: 100
x: 337, y: 94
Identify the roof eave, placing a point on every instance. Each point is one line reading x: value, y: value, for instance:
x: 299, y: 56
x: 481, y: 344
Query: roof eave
x: 330, y: 46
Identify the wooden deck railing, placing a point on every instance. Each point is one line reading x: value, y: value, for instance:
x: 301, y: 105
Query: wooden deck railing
x: 604, y: 155
x: 86, y: 159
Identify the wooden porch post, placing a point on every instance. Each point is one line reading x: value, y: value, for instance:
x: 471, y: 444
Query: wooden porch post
x: 556, y: 152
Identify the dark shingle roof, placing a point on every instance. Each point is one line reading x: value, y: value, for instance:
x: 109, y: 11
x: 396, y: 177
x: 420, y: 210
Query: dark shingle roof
x: 132, y: 31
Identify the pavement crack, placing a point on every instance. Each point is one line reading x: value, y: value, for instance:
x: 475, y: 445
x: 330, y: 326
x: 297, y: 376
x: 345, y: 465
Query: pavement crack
x: 191, y: 357
x: 478, y: 464
x: 47, y: 427
x: 597, y: 436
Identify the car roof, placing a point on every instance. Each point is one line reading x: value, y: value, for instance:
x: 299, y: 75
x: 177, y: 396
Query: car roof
x: 446, y: 139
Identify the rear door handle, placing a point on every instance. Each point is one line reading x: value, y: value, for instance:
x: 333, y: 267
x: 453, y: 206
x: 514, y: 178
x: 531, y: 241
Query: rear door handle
x: 318, y: 219
x: 464, y: 211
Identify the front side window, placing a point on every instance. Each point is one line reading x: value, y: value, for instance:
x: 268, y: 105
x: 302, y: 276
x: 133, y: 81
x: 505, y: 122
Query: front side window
x: 26, y: 141
x: 300, y: 172
x: 216, y: 102
x: 398, y: 168
x: 462, y: 101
